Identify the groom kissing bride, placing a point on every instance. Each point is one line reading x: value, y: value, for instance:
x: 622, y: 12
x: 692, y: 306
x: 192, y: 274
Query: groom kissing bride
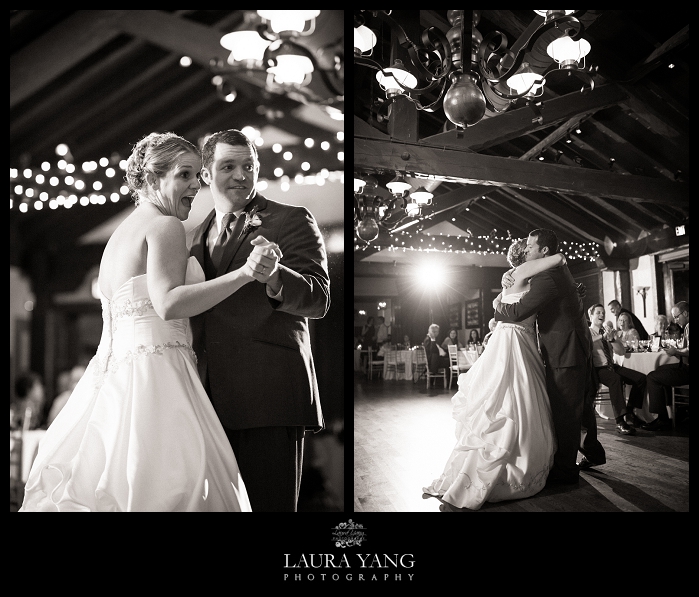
x: 521, y: 409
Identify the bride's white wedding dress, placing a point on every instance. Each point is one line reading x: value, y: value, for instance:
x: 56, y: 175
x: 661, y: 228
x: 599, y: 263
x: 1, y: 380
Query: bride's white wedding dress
x: 139, y: 432
x: 504, y: 431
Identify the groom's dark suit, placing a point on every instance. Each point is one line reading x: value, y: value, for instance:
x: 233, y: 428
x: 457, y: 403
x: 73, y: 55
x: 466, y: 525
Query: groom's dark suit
x: 254, y: 352
x: 565, y: 347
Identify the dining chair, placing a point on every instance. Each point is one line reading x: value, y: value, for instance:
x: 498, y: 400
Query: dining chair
x: 391, y: 363
x: 455, y: 368
x: 603, y: 395
x: 419, y: 364
x: 429, y: 375
x: 680, y: 395
x: 374, y: 364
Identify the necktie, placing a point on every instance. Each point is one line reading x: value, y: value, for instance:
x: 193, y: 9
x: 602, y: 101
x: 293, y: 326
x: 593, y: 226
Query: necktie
x: 607, y: 354
x: 223, y: 237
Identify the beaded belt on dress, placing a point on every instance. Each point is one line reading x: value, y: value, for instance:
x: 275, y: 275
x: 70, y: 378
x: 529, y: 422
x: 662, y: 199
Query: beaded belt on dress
x: 525, y: 328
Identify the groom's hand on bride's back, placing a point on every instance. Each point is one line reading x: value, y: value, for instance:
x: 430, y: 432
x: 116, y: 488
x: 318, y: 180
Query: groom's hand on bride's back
x: 263, y: 262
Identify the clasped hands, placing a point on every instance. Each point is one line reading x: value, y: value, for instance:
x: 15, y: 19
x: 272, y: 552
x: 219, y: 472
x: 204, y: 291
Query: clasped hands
x: 508, y: 280
x: 263, y: 263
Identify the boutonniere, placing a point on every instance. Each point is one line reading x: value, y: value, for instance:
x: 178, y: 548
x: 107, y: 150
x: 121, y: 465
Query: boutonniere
x: 251, y: 219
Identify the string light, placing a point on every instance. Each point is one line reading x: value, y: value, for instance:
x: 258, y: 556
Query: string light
x: 54, y: 183
x: 480, y: 245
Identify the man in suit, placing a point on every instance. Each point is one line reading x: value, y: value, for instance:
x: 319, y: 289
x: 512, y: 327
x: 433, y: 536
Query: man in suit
x: 616, y: 308
x: 253, y: 349
x: 564, y: 342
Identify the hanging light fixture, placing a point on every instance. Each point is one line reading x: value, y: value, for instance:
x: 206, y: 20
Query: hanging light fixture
x: 395, y: 79
x: 364, y: 41
x: 526, y: 83
x: 422, y: 196
x: 269, y: 47
x: 484, y: 74
x: 398, y: 185
x: 247, y: 46
x: 412, y: 208
x: 290, y: 66
x: 568, y: 53
x: 290, y: 22
x: 359, y: 183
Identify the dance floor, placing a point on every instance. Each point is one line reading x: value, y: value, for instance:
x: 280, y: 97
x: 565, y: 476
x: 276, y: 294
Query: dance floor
x: 404, y: 433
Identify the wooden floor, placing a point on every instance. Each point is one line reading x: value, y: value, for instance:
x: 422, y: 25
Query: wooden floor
x: 403, y: 435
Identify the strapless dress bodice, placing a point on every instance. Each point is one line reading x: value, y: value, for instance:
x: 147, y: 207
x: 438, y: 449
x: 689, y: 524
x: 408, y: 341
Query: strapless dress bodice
x: 132, y: 328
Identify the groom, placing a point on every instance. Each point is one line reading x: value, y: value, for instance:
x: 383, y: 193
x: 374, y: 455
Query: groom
x: 253, y: 349
x: 565, y: 347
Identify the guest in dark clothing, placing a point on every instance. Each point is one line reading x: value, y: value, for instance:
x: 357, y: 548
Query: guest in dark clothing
x: 665, y: 377
x: 616, y: 308
x: 369, y: 334
x: 437, y: 357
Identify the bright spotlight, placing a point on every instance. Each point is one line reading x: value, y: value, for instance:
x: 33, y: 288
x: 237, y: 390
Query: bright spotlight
x: 430, y: 276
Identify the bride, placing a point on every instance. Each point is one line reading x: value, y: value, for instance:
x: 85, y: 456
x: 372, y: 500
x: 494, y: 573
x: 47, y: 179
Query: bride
x: 504, y: 432
x: 139, y: 432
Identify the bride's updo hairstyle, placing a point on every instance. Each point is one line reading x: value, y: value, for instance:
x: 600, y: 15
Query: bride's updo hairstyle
x: 516, y: 254
x: 154, y: 153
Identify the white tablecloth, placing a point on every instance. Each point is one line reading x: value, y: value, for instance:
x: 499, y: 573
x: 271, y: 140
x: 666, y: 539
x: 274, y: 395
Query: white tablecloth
x: 645, y: 362
x: 405, y: 357
x: 467, y: 357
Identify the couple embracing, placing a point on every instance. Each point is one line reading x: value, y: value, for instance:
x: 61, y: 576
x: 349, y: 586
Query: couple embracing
x: 203, y: 384
x: 523, y: 411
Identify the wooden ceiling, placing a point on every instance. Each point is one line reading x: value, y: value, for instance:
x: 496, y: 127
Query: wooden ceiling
x: 100, y: 80
x: 623, y: 178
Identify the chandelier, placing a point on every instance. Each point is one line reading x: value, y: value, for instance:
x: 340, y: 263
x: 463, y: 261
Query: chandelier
x: 268, y: 51
x: 374, y: 208
x: 490, y: 76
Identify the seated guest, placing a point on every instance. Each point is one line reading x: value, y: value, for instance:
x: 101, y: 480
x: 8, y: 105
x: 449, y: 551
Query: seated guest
x: 474, y: 337
x: 616, y: 308
x: 626, y: 332
x: 452, y: 338
x: 661, y: 324
x: 605, y: 371
x: 666, y: 376
x: 492, y: 324
x: 673, y: 330
x: 406, y: 342
x: 437, y: 357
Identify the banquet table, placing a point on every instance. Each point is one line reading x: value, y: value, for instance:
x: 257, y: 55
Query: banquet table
x: 645, y: 362
x: 407, y: 357
x: 467, y: 357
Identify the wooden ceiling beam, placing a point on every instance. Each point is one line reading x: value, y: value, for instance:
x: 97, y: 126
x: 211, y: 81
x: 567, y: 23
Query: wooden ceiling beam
x: 641, y: 69
x: 471, y: 168
x: 59, y: 49
x: 558, y: 213
x: 509, y: 125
